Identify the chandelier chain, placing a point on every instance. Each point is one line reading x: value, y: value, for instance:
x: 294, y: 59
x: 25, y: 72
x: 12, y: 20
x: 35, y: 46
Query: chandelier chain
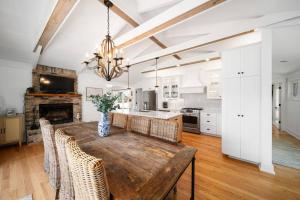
x: 108, y: 25
x: 156, y: 59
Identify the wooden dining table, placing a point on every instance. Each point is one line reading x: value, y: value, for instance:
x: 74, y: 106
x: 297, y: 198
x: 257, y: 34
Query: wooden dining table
x: 137, y: 166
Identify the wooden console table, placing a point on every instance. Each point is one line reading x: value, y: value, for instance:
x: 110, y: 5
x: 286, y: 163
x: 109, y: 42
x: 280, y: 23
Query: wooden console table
x: 11, y: 129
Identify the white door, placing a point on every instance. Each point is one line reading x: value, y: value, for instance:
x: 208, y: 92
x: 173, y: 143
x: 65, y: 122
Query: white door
x: 250, y: 60
x: 231, y: 61
x: 276, y: 104
x: 231, y: 121
x: 250, y: 118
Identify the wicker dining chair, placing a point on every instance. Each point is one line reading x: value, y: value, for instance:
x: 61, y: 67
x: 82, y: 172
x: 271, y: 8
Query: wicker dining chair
x: 119, y: 120
x: 44, y: 122
x: 54, y: 173
x: 140, y: 125
x: 66, y: 190
x: 165, y: 130
x: 88, y: 173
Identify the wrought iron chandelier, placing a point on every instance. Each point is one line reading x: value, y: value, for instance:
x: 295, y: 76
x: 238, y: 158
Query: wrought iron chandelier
x: 107, y: 59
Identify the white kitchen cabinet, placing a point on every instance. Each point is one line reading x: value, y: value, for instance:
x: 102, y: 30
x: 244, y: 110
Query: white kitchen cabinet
x: 231, y: 131
x: 250, y: 60
x: 250, y: 118
x: 219, y: 124
x: 210, y: 123
x: 214, y: 88
x: 231, y: 58
x: 241, y: 104
x: 170, y: 87
x: 241, y: 62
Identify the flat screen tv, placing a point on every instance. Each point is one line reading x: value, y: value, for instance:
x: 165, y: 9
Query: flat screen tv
x: 56, y: 84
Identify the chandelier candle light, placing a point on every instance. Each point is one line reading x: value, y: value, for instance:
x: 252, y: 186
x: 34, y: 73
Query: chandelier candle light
x: 107, y: 59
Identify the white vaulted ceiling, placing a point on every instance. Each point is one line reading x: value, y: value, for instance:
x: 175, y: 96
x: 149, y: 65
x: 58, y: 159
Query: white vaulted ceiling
x: 84, y: 29
x: 22, y: 23
x: 286, y: 47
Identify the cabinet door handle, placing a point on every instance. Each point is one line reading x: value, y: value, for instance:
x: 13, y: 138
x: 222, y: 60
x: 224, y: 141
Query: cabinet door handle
x: 242, y: 115
x: 208, y: 129
x: 207, y: 114
x: 239, y: 73
x: 207, y: 121
x: 242, y: 72
x: 238, y: 115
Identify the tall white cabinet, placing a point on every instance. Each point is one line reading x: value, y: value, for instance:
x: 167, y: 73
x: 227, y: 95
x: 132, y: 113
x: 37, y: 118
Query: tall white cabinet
x: 241, y: 102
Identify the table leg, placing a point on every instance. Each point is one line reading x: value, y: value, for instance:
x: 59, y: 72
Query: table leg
x: 193, y: 180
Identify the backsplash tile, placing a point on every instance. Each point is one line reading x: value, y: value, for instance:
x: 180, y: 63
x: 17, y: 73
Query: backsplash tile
x: 200, y: 100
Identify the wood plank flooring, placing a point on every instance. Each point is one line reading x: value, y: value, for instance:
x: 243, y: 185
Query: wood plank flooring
x: 217, y: 176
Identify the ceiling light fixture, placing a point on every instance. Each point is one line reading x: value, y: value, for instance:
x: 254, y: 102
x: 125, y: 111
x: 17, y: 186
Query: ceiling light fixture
x: 156, y: 85
x: 128, y: 66
x: 207, y: 59
x: 107, y: 59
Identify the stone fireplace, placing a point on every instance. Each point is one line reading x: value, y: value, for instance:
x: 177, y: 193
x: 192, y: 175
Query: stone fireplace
x: 57, y: 108
x: 58, y: 113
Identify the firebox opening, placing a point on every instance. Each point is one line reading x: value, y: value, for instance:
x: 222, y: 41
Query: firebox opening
x: 57, y: 113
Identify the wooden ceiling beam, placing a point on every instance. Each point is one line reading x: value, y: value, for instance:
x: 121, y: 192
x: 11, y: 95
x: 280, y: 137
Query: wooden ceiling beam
x: 233, y: 30
x: 58, y: 16
x: 185, y: 64
x: 176, y: 14
x: 135, y: 24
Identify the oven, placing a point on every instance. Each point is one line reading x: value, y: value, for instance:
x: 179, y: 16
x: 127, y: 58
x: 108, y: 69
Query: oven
x: 191, y: 120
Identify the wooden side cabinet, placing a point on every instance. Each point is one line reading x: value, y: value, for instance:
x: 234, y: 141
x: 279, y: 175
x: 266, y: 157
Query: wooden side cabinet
x: 11, y: 130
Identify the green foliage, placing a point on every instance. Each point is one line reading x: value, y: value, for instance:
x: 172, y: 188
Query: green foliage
x: 105, y: 103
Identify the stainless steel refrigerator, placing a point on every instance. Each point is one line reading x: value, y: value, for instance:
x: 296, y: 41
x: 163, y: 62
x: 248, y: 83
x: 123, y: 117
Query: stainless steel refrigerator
x: 145, y: 100
x: 149, y: 100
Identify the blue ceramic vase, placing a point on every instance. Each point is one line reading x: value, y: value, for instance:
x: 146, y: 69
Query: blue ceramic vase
x: 104, y: 125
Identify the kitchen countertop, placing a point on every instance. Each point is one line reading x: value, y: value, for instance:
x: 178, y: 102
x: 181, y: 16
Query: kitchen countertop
x: 211, y: 109
x: 151, y: 114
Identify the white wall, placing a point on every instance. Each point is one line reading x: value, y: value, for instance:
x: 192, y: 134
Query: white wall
x: 266, y: 164
x: 15, y: 77
x: 292, y: 113
x: 90, y: 79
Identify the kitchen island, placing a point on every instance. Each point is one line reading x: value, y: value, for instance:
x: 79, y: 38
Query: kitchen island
x: 173, y: 116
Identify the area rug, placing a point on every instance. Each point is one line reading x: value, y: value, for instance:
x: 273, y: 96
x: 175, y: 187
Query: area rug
x: 28, y: 197
x: 286, y: 153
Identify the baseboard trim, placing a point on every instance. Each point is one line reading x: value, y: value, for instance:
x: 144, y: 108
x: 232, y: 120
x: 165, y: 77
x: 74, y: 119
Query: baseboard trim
x: 293, y: 134
x: 268, y: 168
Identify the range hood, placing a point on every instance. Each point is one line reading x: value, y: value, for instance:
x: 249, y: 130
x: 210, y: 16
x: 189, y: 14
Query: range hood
x: 191, y: 84
x: 192, y: 90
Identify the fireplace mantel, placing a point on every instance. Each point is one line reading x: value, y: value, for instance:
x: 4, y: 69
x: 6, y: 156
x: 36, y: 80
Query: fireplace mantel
x: 53, y: 95
x: 34, y: 99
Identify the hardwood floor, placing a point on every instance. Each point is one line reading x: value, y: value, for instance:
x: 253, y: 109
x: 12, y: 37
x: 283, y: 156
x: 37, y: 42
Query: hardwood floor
x: 217, y: 176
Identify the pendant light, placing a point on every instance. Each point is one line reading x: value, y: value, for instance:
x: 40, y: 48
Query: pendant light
x: 128, y: 66
x: 107, y: 60
x: 156, y: 84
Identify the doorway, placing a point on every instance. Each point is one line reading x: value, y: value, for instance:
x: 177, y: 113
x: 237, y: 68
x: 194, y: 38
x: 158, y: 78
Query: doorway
x: 276, y: 104
x: 285, y: 98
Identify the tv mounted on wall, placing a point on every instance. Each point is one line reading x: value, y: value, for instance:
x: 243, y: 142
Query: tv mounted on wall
x: 56, y: 84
